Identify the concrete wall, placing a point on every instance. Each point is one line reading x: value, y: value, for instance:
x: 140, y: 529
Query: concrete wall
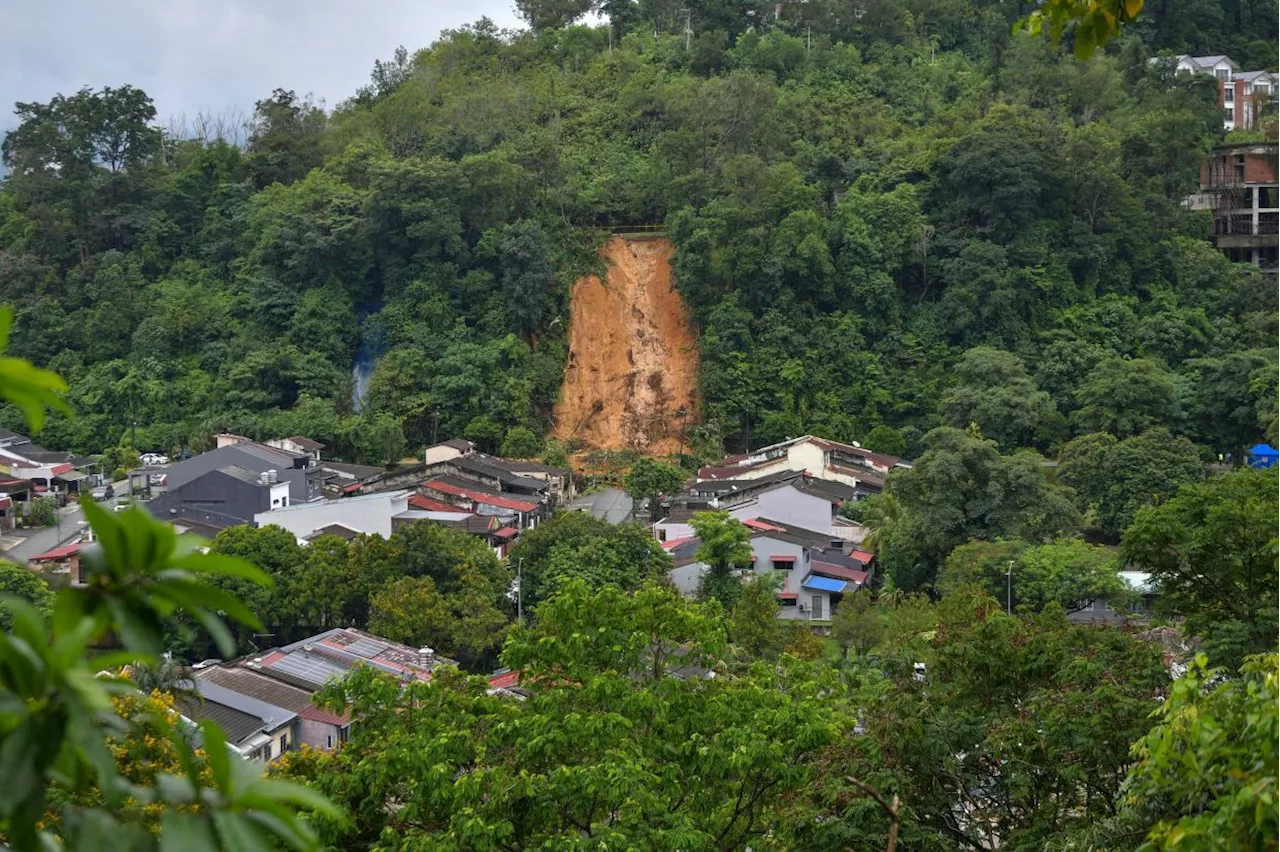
x: 687, y: 577
x: 369, y: 513
x: 227, y: 495
x: 320, y: 735
x: 788, y: 506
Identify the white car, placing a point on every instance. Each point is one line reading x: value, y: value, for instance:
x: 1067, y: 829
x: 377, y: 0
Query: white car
x: 154, y: 459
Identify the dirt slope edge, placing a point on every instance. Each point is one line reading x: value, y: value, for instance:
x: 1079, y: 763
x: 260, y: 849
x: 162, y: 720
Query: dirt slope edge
x: 633, y: 354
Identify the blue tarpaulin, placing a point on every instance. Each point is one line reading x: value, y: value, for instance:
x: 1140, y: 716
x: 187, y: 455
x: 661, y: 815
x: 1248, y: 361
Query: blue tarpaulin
x: 1263, y: 455
x: 823, y: 584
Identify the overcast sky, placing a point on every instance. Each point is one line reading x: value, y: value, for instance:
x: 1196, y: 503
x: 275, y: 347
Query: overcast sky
x: 214, y: 55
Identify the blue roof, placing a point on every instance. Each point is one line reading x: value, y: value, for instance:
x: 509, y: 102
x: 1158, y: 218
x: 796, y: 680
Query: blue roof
x: 1263, y: 450
x: 823, y: 584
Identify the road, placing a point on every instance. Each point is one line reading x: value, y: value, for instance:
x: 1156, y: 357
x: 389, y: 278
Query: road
x: 612, y: 504
x: 70, y: 525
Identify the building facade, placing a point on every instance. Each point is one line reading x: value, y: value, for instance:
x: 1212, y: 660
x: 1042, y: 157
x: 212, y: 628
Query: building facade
x: 1238, y: 184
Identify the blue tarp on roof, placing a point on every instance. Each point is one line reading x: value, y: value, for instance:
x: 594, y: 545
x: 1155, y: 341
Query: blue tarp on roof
x: 1263, y: 455
x: 823, y: 584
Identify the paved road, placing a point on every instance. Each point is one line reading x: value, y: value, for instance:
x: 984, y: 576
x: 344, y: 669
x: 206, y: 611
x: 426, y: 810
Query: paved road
x: 70, y: 525
x: 612, y: 504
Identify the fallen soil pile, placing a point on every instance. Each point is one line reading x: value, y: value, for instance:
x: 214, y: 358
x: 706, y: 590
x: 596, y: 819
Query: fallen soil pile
x: 633, y: 355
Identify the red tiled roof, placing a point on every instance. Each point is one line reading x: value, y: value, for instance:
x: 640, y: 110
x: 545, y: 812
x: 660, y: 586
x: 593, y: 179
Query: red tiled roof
x: 6, y: 501
x: 506, y: 532
x: 673, y: 543
x: 57, y: 553
x: 431, y: 504
x: 482, y: 497
x: 839, y: 572
x: 317, y: 714
x: 862, y: 556
x: 352, y: 487
x: 506, y: 680
x: 59, y: 469
x: 758, y: 524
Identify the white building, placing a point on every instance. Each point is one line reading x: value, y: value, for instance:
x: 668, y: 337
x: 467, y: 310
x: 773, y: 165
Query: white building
x: 366, y: 513
x: 820, y: 458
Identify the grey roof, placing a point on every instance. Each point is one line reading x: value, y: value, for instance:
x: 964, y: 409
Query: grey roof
x: 760, y: 483
x: 357, y: 471
x: 458, y: 444
x: 271, y: 715
x: 243, y: 474
x: 253, y: 685
x: 834, y: 491
x: 794, y: 534
x: 252, y: 457
x: 237, y: 726
x: 1249, y: 76
x: 480, y: 465
x: 519, y: 466
x: 169, y: 507
x: 306, y: 443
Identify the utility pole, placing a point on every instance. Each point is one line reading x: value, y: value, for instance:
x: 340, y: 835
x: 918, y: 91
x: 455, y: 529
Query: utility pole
x: 435, y: 425
x: 1008, y: 601
x: 688, y: 27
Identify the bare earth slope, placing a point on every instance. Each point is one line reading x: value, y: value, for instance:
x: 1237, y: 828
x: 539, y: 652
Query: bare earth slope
x: 633, y: 356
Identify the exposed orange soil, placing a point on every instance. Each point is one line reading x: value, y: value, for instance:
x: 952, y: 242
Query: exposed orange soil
x: 633, y: 354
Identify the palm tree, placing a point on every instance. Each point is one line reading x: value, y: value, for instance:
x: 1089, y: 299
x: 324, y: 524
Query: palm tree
x: 167, y: 676
x: 882, y: 513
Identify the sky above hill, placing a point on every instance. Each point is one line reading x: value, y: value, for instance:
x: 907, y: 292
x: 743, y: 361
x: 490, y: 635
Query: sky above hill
x: 194, y: 55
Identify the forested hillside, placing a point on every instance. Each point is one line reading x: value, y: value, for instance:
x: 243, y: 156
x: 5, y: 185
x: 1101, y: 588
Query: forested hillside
x: 904, y: 216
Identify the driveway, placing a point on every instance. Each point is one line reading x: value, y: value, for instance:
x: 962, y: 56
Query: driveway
x: 71, y: 524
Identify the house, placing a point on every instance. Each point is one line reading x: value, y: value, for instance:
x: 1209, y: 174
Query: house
x: 1139, y: 606
x: 1238, y: 183
x: 790, y: 495
x: 235, y: 495
x: 339, y: 478
x: 1242, y: 95
x: 369, y: 514
x: 833, y: 461
x: 296, y: 469
x: 256, y: 729
x: 497, y: 532
x: 299, y: 446
x: 318, y: 728
x: 469, y: 496
x: 60, y: 560
x: 71, y: 477
x: 310, y: 663
x: 814, y: 570
x: 445, y: 450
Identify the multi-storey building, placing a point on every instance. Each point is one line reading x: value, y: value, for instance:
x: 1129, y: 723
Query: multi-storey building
x: 1238, y: 184
x: 1242, y: 95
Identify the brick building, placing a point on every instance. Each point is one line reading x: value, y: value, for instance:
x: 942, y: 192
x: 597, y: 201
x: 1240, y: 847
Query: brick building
x: 1242, y: 95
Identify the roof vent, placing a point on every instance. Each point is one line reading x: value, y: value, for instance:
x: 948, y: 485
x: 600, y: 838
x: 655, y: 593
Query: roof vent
x: 426, y: 656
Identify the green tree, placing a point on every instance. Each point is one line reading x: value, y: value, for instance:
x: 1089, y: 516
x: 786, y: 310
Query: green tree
x: 857, y: 623
x: 996, y: 393
x: 613, y: 763
x: 885, y: 439
x: 577, y: 546
x: 963, y: 488
x: 23, y: 583
x: 1069, y: 572
x: 753, y: 622
x: 650, y: 479
x: 1206, y: 774
x: 1126, y: 397
x: 521, y: 443
x: 724, y: 546
x: 1211, y: 554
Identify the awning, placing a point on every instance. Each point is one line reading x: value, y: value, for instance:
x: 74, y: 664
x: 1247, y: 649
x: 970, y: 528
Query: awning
x: 57, y: 553
x: 72, y: 476
x: 823, y: 584
x: 782, y: 559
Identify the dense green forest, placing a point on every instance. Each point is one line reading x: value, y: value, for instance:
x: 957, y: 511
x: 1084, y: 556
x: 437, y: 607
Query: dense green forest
x: 904, y: 216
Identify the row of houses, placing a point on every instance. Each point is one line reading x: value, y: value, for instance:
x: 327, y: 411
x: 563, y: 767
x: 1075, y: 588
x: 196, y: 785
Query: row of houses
x: 789, y: 496
x: 28, y: 470
x: 286, y: 483
x: 265, y: 703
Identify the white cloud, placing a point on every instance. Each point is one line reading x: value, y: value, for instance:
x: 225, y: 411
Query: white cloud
x: 215, y: 55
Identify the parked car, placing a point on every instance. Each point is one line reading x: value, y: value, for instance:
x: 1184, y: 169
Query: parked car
x: 104, y: 492
x: 154, y: 459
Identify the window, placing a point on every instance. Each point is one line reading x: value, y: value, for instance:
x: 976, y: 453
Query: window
x: 343, y: 733
x: 328, y: 741
x: 662, y: 534
x: 779, y: 565
x: 1223, y: 74
x: 266, y: 751
x: 1267, y: 198
x: 1229, y: 95
x: 1239, y: 165
x: 1229, y: 114
x: 817, y: 606
x: 284, y: 743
